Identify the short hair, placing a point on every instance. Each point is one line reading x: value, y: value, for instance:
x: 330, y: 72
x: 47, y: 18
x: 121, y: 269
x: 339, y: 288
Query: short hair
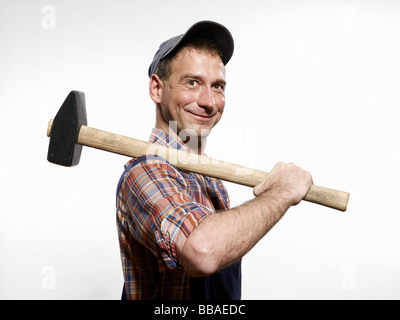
x: 164, y: 68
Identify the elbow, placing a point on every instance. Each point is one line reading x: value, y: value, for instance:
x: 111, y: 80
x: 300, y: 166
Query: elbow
x: 198, y: 259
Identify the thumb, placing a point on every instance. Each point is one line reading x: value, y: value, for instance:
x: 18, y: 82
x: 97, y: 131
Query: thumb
x: 260, y: 188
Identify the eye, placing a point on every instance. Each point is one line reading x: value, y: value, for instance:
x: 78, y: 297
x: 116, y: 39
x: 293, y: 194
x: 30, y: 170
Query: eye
x: 219, y: 87
x: 192, y: 83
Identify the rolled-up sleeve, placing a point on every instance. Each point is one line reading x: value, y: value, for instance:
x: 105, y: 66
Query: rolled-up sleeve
x: 162, y: 212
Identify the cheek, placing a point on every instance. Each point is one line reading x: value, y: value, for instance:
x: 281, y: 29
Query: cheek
x: 174, y: 102
x: 183, y: 98
x: 220, y: 107
x: 220, y: 102
x: 187, y: 97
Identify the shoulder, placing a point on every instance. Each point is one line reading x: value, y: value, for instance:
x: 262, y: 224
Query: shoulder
x: 151, y: 164
x: 150, y: 169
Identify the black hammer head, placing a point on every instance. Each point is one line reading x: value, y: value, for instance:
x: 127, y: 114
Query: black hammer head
x: 63, y: 147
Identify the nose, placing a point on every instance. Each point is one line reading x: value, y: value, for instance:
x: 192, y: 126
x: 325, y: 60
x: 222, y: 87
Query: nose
x: 206, y: 99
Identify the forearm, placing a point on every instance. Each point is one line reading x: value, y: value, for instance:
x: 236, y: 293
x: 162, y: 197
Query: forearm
x: 225, y: 237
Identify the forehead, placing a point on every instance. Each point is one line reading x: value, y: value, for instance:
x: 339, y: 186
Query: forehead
x: 191, y: 60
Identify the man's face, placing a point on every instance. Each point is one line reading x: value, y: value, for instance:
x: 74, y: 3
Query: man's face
x: 194, y: 95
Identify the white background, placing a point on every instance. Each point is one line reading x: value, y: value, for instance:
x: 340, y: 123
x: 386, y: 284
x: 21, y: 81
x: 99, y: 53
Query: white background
x: 313, y: 82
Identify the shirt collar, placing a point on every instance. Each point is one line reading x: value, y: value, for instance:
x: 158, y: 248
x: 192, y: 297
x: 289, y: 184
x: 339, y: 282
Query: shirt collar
x: 160, y: 137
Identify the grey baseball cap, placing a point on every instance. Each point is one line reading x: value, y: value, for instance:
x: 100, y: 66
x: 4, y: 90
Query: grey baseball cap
x: 203, y: 29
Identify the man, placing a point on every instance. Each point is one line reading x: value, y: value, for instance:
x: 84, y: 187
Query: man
x: 179, y: 238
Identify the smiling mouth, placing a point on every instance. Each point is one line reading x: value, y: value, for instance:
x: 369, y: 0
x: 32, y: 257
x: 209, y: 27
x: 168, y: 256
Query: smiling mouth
x: 200, y: 116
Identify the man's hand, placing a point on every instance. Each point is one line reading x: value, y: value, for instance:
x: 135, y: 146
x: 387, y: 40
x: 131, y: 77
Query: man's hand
x: 224, y: 237
x: 287, y: 181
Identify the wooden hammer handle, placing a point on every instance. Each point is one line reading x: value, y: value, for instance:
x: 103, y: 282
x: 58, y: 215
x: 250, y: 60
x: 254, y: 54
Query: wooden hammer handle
x: 203, y: 165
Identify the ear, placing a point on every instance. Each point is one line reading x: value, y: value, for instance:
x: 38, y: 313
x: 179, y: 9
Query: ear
x: 156, y: 86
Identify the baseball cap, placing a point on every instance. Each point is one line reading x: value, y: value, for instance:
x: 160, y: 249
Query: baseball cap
x: 202, y: 29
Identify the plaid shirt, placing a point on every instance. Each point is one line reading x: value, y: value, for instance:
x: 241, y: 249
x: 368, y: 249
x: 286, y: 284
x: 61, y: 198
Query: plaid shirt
x: 157, y: 209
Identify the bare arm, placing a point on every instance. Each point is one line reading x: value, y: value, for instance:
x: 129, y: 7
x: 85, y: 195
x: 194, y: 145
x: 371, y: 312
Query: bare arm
x: 225, y: 237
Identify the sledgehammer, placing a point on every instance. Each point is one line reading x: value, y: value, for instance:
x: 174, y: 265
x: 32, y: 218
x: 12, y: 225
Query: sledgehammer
x: 68, y: 132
